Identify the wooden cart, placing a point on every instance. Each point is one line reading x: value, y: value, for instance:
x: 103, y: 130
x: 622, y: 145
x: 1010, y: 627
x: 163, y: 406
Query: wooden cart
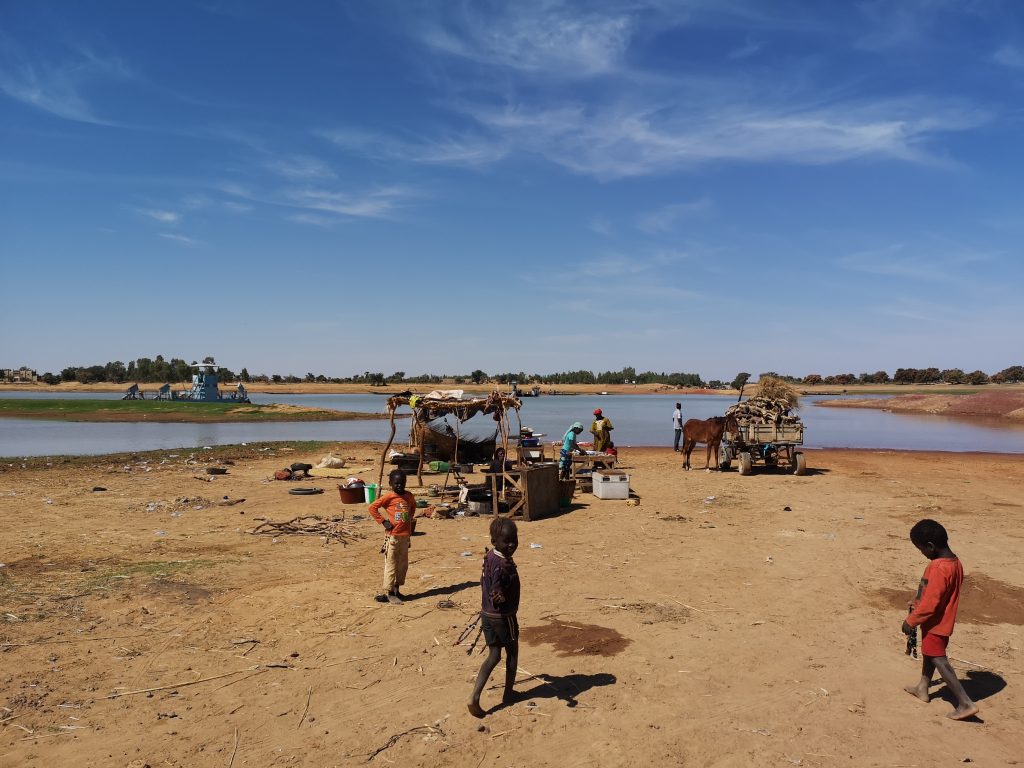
x: 769, y: 445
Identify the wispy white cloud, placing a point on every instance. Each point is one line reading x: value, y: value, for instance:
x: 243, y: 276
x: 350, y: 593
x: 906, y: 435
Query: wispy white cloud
x: 750, y: 48
x: 203, y: 202
x: 235, y: 189
x: 376, y: 203
x: 600, y: 225
x: 455, y: 150
x: 904, y: 24
x: 619, y: 141
x: 300, y: 167
x: 313, y: 219
x: 177, y: 238
x: 929, y: 262
x: 645, y: 119
x: 663, y: 219
x: 1009, y: 56
x: 164, y: 217
x: 632, y: 280
x: 613, y: 267
x: 373, y: 203
x: 546, y: 36
x: 58, y: 87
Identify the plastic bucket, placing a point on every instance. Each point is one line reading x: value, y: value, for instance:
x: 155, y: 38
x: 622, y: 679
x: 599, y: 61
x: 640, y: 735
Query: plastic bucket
x: 351, y: 495
x: 371, y: 492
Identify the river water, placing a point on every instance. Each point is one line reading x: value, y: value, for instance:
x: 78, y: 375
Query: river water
x: 640, y: 420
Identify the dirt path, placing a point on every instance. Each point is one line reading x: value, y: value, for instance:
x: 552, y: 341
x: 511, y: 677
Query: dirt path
x: 726, y: 621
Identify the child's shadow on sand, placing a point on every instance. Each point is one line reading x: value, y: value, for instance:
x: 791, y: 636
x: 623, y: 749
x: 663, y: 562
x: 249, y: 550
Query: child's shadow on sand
x: 979, y: 684
x: 451, y: 589
x: 566, y: 687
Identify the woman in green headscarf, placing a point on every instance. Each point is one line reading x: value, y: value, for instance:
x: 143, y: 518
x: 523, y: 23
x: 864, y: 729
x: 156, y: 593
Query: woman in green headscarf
x: 569, y: 445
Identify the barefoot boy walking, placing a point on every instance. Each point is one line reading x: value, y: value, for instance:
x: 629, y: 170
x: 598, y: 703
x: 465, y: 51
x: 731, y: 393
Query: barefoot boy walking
x: 934, y: 610
x: 499, y: 585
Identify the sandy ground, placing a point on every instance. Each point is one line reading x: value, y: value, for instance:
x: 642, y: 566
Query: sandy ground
x: 725, y: 621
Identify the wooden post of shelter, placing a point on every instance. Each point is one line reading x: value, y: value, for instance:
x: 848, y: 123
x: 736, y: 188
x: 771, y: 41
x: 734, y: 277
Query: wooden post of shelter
x: 391, y: 439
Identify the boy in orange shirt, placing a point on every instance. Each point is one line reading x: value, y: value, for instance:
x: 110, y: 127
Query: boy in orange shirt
x: 399, y: 523
x: 934, y: 610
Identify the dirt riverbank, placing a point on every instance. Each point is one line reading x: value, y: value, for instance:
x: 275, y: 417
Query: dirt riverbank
x: 992, y: 404
x: 725, y: 621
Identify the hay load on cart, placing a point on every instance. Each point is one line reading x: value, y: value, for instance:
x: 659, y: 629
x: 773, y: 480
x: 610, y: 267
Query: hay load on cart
x: 767, y: 430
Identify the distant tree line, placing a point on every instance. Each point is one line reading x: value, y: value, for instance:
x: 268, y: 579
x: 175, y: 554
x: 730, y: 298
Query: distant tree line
x: 159, y: 370
x: 1013, y: 374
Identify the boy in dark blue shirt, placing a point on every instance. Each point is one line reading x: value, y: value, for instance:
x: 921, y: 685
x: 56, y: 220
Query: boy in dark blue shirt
x: 499, y: 585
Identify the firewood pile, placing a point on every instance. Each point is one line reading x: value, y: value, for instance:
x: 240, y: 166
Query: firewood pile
x: 772, y: 403
x: 330, y: 528
x: 762, y: 410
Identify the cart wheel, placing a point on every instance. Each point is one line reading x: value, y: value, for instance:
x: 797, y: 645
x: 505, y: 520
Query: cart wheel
x: 799, y: 463
x: 727, y: 455
x: 745, y: 463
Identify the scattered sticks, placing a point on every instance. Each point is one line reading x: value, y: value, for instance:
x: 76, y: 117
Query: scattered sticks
x: 331, y: 528
x: 178, y: 685
x: 394, y: 739
x: 469, y: 628
x: 306, y: 710
x: 64, y: 642
x: 472, y: 646
x: 231, y: 760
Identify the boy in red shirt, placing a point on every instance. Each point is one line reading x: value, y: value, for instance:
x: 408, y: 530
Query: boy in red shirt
x: 934, y: 610
x: 399, y: 523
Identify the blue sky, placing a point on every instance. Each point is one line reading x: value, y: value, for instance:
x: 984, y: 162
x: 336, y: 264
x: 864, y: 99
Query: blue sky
x: 705, y: 186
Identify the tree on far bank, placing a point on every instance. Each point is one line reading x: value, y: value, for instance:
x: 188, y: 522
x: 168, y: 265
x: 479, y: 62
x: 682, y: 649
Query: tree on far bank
x: 478, y: 376
x: 741, y: 379
x: 1012, y: 375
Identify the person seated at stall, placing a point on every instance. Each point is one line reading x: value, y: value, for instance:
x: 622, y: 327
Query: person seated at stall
x: 499, y: 465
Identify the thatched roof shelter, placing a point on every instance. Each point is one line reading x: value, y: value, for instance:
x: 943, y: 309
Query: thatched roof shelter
x: 435, y: 405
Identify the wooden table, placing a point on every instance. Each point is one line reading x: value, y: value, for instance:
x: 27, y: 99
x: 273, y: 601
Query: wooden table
x: 531, y: 454
x: 590, y: 462
x: 536, y: 487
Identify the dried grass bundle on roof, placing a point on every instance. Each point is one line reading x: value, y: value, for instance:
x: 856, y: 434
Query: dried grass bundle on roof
x: 776, y: 389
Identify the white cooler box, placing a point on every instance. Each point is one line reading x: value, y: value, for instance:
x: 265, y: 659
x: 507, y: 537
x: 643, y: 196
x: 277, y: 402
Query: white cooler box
x: 611, y: 484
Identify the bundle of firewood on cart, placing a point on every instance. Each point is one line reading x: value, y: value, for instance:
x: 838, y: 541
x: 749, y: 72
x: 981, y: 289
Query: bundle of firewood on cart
x: 773, y: 403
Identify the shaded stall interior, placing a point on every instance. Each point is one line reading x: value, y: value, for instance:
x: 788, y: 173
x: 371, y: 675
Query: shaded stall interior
x: 439, y: 431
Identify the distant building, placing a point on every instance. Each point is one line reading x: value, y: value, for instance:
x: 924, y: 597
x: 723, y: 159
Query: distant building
x: 18, y: 375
